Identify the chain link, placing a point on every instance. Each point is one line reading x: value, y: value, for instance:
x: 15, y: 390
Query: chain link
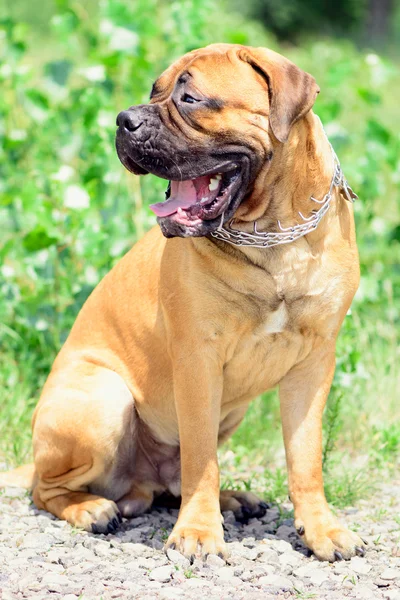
x: 286, y: 235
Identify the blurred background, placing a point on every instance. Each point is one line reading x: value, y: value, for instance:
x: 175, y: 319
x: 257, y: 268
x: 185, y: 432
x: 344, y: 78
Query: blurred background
x: 69, y: 211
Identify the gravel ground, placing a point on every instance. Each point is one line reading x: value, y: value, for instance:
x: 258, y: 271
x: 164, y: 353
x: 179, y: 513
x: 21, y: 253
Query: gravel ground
x: 42, y: 557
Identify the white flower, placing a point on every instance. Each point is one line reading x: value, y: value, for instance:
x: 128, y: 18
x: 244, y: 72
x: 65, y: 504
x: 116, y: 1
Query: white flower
x: 95, y: 73
x: 123, y: 39
x: 91, y: 275
x: 76, y: 197
x: 106, y: 119
x: 372, y: 59
x: 17, y: 135
x: 119, y: 38
x: 7, y: 271
x: 106, y: 26
x: 42, y: 257
x: 378, y: 225
x: 64, y: 173
x: 41, y: 325
x: 5, y: 70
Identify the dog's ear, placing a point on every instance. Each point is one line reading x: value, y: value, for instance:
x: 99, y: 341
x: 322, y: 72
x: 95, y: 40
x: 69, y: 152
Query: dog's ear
x: 292, y: 92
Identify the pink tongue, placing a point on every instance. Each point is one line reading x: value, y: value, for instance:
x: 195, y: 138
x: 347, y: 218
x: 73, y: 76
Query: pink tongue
x: 183, y: 195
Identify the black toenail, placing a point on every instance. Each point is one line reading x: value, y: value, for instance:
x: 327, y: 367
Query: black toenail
x: 115, y: 522
x: 263, y: 505
x: 172, y: 546
x: 360, y: 551
x: 95, y: 529
x: 192, y: 558
x: 300, y: 530
x: 221, y: 555
x: 110, y: 527
x: 119, y: 517
x: 337, y: 555
x: 365, y: 541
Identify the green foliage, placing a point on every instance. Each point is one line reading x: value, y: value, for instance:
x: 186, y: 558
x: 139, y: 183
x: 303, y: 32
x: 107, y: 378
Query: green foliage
x: 333, y: 424
x: 289, y: 18
x: 371, y: 23
x: 68, y: 210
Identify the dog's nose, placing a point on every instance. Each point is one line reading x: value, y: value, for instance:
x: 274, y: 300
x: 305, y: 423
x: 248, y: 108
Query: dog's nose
x: 129, y: 120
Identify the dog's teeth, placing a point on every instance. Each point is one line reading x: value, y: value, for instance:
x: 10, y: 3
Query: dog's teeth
x: 180, y: 212
x: 218, y: 176
x: 214, y: 183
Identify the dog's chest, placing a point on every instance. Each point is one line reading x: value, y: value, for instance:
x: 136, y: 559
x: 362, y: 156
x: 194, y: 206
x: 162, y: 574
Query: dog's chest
x: 265, y: 352
x: 274, y: 322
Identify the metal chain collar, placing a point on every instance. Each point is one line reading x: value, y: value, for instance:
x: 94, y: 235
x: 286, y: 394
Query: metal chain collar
x: 285, y: 235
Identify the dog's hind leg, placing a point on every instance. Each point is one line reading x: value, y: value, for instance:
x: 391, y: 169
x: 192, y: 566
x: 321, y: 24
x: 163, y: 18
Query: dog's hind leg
x: 84, y: 413
x: 136, y: 501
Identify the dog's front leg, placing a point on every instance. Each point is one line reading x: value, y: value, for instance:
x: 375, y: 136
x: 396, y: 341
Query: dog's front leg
x: 198, y: 390
x: 303, y: 393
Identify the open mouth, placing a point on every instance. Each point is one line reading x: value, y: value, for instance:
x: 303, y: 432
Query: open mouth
x: 205, y: 198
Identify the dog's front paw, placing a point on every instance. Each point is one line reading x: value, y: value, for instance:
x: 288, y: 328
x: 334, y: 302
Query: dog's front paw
x: 197, y: 541
x: 93, y: 513
x: 328, y: 539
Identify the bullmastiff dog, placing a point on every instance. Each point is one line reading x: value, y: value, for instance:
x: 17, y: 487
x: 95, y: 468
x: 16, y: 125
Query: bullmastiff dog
x: 241, y: 287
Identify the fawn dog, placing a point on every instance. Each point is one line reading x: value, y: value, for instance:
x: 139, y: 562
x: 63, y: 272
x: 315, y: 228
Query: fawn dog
x: 241, y: 287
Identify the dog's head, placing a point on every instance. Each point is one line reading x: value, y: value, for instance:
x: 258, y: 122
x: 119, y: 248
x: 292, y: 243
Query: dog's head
x: 214, y: 119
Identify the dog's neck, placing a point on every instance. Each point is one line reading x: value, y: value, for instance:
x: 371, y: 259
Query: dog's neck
x: 301, y: 168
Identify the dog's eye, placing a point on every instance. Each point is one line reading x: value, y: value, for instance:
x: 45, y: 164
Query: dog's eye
x: 189, y: 99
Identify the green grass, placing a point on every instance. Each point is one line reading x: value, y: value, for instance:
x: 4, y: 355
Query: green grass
x: 69, y: 211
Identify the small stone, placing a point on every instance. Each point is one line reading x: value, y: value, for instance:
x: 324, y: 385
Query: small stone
x: 133, y: 536
x: 281, y: 546
x: 250, y: 542
x: 179, y: 576
x: 235, y: 581
x: 215, y: 561
x: 318, y: 576
x: 229, y: 518
x: 195, y: 582
x: 197, y: 564
x: 289, y: 559
x: 250, y: 553
x: 51, y: 579
x: 13, y: 492
x: 285, y: 533
x: 137, y: 549
x: 39, y: 541
x: 225, y: 573
x: 390, y: 574
x: 277, y: 581
x: 364, y: 593
x: 360, y: 565
x: 268, y: 555
x: 392, y: 594
x: 178, y: 559
x: 271, y: 515
x: 161, y: 574
x: 170, y: 593
x: 350, y: 583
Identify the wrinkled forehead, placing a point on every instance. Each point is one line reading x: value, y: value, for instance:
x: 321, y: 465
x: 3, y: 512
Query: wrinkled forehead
x: 219, y: 74
x: 225, y: 75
